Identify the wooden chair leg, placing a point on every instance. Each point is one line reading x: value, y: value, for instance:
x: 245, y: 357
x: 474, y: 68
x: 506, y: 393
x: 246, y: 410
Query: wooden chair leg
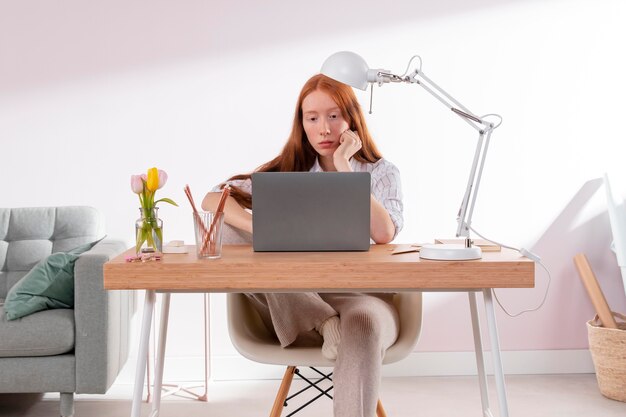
x: 279, y: 402
x: 380, y: 411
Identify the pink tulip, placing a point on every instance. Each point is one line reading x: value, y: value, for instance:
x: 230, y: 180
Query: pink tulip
x: 162, y: 178
x: 136, y: 184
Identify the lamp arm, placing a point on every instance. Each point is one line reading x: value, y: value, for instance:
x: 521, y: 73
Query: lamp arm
x: 418, y: 77
x: 484, y: 128
x: 466, y: 211
x: 468, y: 222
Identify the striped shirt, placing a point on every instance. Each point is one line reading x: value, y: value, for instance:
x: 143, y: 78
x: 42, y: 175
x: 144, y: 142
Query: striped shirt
x: 386, y: 186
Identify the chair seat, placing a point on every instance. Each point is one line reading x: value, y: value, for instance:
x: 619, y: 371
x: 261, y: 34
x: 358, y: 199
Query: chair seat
x: 46, y: 333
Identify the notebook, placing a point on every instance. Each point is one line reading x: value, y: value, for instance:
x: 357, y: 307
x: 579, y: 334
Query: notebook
x: 311, y: 211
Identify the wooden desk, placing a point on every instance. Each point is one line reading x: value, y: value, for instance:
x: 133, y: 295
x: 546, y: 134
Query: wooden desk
x: 242, y: 270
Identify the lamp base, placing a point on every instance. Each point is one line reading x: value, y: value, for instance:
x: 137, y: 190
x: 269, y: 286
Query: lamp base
x: 450, y: 252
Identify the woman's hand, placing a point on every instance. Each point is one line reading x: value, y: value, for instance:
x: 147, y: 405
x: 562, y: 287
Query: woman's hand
x: 349, y: 144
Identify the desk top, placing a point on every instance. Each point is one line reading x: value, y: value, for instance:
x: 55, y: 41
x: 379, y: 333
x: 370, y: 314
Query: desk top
x: 240, y: 269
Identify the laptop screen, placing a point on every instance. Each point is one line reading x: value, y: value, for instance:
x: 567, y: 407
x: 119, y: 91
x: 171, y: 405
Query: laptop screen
x: 311, y: 211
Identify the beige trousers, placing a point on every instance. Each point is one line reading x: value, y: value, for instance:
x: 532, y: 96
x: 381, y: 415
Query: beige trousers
x: 369, y: 325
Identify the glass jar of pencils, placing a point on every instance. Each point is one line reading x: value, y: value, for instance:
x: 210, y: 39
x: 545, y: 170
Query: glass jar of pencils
x: 149, y: 231
x: 208, y: 227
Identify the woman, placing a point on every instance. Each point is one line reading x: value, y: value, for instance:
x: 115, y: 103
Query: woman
x: 329, y: 134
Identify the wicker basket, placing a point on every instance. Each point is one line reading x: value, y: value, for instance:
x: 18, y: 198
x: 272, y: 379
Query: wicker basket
x: 608, y: 351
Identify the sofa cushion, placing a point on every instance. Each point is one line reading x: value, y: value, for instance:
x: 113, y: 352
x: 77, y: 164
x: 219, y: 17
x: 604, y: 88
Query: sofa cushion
x: 50, y: 284
x: 23, y: 255
x: 45, y: 333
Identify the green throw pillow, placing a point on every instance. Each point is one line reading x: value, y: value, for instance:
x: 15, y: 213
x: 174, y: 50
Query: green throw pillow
x: 50, y: 284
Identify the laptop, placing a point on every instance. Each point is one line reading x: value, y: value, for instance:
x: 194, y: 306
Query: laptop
x: 311, y: 211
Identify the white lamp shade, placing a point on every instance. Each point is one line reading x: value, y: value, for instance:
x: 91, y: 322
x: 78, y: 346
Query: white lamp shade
x: 348, y: 68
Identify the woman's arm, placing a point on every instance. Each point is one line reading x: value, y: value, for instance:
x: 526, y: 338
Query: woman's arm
x: 234, y: 214
x: 382, y: 228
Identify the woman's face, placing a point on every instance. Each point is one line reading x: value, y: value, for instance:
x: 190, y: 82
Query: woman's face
x: 323, y: 122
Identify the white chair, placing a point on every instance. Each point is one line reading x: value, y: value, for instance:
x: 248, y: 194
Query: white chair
x: 617, y: 216
x: 252, y: 339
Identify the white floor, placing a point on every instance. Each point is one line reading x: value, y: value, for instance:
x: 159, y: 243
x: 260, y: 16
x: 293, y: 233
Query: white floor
x: 574, y: 395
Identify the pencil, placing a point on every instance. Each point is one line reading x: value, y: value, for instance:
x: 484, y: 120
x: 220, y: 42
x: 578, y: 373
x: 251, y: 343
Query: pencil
x: 219, y: 211
x: 205, y: 233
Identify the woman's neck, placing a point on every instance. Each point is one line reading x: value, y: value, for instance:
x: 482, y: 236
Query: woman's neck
x: 326, y: 163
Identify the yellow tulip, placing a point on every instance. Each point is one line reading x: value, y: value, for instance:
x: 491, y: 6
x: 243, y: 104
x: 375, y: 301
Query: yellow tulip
x: 153, y: 179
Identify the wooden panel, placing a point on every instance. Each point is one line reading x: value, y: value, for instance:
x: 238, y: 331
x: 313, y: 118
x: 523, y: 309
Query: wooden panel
x: 242, y: 269
x: 595, y: 292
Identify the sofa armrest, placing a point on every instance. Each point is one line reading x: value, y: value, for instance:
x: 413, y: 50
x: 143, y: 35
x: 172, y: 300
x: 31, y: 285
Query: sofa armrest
x: 102, y: 319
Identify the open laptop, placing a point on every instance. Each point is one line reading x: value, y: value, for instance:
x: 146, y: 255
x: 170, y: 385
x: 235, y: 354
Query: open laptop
x: 311, y: 211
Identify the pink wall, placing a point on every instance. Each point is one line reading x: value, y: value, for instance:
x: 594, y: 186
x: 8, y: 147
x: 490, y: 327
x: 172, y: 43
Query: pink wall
x: 44, y: 42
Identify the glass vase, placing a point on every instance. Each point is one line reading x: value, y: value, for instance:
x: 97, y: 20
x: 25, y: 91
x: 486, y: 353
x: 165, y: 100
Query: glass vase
x: 149, y: 231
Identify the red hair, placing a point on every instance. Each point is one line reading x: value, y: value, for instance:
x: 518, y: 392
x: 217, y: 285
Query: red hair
x: 298, y: 154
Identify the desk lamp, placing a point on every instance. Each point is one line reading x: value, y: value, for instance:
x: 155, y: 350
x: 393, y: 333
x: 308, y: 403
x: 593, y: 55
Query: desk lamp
x: 349, y: 68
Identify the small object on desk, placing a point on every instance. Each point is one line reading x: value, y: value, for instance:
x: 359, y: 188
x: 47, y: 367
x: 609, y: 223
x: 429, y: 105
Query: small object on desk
x: 175, y: 246
x: 144, y: 257
x: 400, y: 249
x: 484, y: 245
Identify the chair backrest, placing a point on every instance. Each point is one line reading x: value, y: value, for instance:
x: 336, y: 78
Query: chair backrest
x: 617, y: 216
x: 28, y: 235
x: 252, y: 339
x: 409, y: 306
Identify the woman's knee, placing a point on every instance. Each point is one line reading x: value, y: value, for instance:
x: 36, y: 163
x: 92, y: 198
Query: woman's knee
x: 362, y: 324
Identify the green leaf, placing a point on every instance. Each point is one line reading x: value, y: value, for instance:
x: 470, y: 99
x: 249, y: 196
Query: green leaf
x: 159, y: 236
x: 141, y: 237
x: 167, y: 200
x: 148, y: 234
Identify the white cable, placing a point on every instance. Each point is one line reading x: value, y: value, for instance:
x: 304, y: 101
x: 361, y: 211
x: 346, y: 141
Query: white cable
x: 409, y: 65
x: 529, y: 255
x: 545, y: 295
x: 494, y: 115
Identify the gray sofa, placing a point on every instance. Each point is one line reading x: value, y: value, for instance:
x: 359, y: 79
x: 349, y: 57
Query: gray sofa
x: 69, y: 351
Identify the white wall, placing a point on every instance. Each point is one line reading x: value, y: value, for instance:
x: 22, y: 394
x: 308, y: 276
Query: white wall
x: 92, y: 93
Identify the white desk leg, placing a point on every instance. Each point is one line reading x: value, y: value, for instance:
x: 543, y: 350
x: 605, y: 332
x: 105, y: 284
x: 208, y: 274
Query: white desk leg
x: 158, y: 372
x: 207, y: 346
x: 495, y: 352
x: 140, y: 370
x: 478, y: 349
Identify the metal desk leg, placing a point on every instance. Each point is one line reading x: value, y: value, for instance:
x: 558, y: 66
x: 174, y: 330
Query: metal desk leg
x: 478, y: 349
x: 178, y: 388
x: 495, y: 351
x: 140, y: 370
x: 207, y: 346
x: 158, y: 371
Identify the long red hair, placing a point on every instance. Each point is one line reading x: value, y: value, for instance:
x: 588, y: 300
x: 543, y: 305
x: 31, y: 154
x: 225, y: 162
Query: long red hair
x: 298, y: 154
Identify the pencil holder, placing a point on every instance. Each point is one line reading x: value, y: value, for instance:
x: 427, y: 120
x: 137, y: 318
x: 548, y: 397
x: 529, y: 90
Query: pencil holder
x: 208, y: 229
x: 608, y: 351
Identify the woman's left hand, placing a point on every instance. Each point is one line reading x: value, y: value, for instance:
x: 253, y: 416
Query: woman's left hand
x: 349, y: 144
